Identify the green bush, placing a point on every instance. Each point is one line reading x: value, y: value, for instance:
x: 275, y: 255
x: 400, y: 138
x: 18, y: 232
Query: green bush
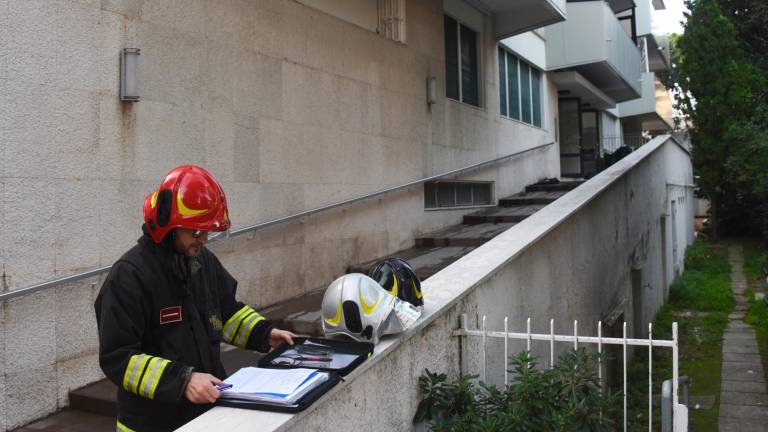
x: 565, y: 398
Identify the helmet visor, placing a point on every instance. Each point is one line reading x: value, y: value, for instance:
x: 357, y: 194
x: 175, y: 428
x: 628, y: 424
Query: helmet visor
x: 218, y: 235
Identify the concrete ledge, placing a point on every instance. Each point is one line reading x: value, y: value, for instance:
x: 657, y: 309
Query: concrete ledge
x: 443, y: 293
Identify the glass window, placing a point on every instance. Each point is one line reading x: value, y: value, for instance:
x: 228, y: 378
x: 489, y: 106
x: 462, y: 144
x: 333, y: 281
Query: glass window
x: 457, y: 194
x: 536, y: 96
x: 514, y: 87
x: 429, y: 195
x: 463, y: 194
x: 503, y: 81
x: 525, y: 92
x: 469, y: 67
x: 446, y: 195
x: 481, y: 193
x: 461, y: 70
x: 451, y: 58
x: 519, y: 89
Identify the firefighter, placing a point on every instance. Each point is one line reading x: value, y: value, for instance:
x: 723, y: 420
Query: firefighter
x: 167, y: 304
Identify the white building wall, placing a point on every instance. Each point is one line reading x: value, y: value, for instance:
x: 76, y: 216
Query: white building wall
x: 532, y: 46
x: 288, y: 106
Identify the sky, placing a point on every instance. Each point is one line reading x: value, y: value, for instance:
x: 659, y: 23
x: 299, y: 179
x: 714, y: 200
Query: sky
x: 668, y: 20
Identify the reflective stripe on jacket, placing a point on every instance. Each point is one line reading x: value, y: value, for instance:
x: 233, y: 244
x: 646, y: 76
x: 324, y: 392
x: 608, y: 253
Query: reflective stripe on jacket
x: 162, y: 316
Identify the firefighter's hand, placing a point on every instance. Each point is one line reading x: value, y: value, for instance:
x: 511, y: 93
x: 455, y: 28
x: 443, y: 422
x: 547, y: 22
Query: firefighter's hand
x: 277, y: 336
x: 200, y: 388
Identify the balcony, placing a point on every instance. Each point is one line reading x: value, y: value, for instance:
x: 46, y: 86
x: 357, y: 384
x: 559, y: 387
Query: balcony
x: 593, y: 43
x: 621, y: 5
x: 519, y: 16
x: 651, y: 112
x: 657, y: 48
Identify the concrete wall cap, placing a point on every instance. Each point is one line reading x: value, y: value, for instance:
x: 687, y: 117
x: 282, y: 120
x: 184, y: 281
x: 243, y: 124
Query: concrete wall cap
x: 449, y: 286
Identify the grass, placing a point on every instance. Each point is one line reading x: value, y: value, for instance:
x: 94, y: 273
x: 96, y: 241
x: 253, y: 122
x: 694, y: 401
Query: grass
x: 704, y: 291
x: 705, y: 285
x: 755, y: 259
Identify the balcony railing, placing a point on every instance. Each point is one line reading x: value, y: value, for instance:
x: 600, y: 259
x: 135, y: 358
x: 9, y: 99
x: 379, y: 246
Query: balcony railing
x: 612, y: 143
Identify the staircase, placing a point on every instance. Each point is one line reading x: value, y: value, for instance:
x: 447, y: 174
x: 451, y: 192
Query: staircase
x: 434, y: 251
x: 92, y: 408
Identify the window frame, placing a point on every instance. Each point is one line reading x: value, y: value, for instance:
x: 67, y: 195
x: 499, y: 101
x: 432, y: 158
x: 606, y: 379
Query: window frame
x: 532, y: 69
x: 460, y: 24
x: 454, y: 184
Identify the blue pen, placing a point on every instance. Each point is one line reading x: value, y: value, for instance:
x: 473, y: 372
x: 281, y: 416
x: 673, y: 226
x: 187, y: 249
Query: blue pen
x: 223, y: 387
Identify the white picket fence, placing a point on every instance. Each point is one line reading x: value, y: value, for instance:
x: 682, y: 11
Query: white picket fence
x: 679, y: 411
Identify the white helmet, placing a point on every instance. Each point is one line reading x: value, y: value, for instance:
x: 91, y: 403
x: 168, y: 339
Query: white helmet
x: 357, y: 306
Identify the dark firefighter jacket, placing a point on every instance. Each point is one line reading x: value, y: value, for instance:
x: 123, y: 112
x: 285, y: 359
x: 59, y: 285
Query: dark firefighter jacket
x: 161, y: 316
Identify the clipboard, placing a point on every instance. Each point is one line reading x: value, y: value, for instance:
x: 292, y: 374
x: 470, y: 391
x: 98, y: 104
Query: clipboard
x: 302, y: 404
x: 315, y: 353
x: 361, y: 351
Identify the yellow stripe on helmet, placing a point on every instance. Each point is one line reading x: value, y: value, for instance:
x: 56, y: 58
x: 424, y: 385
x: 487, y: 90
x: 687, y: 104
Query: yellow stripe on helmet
x: 123, y: 428
x: 416, y: 290
x: 184, y: 210
x: 368, y: 309
x: 395, y: 288
x: 336, y: 318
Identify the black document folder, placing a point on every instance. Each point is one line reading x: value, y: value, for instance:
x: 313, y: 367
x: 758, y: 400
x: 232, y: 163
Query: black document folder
x: 336, y: 357
x: 329, y: 355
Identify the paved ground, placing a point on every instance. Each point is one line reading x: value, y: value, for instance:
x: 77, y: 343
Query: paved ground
x: 743, y: 397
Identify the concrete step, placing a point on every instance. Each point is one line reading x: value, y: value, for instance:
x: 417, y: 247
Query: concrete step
x: 300, y: 315
x: 70, y: 420
x: 97, y: 398
x: 563, y: 185
x: 425, y: 261
x: 463, y: 235
x: 530, y: 198
x: 100, y: 398
x: 502, y: 214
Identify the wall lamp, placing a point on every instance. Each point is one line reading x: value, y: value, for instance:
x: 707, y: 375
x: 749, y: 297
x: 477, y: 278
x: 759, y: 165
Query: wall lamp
x: 129, y: 70
x: 431, y: 91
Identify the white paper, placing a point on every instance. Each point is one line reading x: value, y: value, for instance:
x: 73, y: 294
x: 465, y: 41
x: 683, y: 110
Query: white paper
x: 275, y: 381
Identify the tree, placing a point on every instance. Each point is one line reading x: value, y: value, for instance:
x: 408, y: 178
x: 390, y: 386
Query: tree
x: 750, y: 175
x: 719, y: 91
x: 750, y: 18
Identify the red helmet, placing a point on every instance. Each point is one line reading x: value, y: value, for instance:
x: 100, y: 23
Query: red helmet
x: 189, y: 197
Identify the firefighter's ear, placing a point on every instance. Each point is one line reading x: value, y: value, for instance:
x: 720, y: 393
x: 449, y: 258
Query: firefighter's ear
x: 164, y: 203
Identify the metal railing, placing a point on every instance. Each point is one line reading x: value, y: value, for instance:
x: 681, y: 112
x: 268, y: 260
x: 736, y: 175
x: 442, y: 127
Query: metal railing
x: 679, y: 412
x: 612, y: 143
x: 233, y: 233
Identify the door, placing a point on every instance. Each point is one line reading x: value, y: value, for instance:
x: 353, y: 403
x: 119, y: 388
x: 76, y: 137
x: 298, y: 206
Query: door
x: 570, y: 137
x: 590, y: 142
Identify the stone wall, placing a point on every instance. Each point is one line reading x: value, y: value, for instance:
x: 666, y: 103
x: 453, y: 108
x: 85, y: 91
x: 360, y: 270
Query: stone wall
x: 289, y: 107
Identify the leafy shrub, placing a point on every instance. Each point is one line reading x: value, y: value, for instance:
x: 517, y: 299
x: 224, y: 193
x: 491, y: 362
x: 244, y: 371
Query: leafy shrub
x: 565, y: 398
